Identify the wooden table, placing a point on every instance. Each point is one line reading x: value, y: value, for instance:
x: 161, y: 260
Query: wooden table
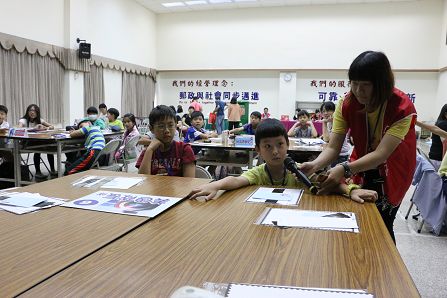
x: 221, y: 158
x: 49, y: 145
x: 36, y: 246
x: 217, y: 242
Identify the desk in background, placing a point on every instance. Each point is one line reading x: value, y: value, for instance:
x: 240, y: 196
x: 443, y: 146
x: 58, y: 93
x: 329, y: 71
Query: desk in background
x: 217, y: 242
x: 35, y: 246
x: 219, y: 155
x: 48, y: 145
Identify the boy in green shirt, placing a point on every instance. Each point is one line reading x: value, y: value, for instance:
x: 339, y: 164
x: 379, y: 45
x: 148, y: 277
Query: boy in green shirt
x: 114, y: 123
x: 272, y: 144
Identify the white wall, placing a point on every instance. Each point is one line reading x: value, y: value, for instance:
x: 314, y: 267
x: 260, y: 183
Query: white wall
x: 309, y: 37
x: 41, y: 20
x: 443, y: 43
x: 112, y: 89
x: 280, y: 96
x: 266, y: 83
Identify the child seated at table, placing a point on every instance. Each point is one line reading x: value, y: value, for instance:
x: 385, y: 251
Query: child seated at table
x: 94, y: 143
x: 114, y: 123
x: 3, y: 113
x: 272, y: 143
x: 303, y: 128
x: 249, y: 128
x: 32, y: 119
x: 92, y: 115
x: 130, y: 124
x: 196, y: 131
x: 164, y: 156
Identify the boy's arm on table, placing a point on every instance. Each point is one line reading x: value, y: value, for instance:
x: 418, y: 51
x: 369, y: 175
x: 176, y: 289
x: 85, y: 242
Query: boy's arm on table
x: 189, y: 170
x: 210, y: 190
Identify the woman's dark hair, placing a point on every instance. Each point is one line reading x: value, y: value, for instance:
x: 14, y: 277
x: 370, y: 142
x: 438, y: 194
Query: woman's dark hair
x: 270, y: 128
x: 27, y: 117
x: 442, y: 114
x: 179, y: 109
x: 160, y: 113
x: 92, y: 110
x: 102, y: 106
x: 327, y: 106
x: 131, y: 118
x: 233, y: 100
x: 374, y: 67
x: 113, y: 111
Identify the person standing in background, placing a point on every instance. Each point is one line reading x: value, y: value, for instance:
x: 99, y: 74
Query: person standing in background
x: 103, y: 113
x: 235, y: 111
x: 197, y: 106
x: 220, y: 114
x: 435, y: 153
x: 266, y: 114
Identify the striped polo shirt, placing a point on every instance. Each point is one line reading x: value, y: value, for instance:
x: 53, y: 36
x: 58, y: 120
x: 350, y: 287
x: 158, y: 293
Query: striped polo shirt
x: 95, y: 139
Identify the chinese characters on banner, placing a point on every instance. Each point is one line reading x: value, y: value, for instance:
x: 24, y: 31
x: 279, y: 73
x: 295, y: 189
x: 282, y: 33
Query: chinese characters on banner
x: 208, y: 95
x: 332, y: 95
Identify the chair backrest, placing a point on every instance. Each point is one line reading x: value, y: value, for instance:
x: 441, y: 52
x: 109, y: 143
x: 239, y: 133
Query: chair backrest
x: 201, y: 172
x: 421, y: 152
x: 131, y: 146
x: 110, y: 148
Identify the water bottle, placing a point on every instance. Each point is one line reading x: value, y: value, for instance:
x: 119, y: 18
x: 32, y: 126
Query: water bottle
x: 225, y: 138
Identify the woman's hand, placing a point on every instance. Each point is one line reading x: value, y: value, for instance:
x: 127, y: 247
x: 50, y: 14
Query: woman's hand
x: 334, y: 177
x: 309, y: 167
x: 362, y: 195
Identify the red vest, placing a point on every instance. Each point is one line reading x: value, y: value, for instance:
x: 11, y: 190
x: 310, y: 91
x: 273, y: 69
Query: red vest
x: 398, y: 169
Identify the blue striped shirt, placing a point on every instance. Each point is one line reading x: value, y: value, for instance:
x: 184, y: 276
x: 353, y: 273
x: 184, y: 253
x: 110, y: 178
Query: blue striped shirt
x: 95, y: 138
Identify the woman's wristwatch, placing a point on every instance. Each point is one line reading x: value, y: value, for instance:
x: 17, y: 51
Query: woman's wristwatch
x: 347, y: 168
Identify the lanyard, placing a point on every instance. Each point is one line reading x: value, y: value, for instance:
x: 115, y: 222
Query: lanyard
x: 371, y: 136
x: 271, y: 179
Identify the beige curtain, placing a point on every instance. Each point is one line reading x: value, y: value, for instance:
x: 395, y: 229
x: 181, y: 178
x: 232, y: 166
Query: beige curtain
x: 138, y: 93
x: 26, y: 79
x: 93, y: 87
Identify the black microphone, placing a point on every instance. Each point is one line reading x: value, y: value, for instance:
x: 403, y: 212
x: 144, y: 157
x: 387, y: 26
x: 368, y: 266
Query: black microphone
x: 291, y: 166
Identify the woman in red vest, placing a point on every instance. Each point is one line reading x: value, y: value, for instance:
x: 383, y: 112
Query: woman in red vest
x: 381, y: 119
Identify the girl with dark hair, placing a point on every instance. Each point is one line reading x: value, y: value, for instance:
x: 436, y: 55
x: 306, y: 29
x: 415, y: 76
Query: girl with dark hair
x: 381, y: 119
x: 131, y: 131
x: 435, y: 153
x: 32, y: 119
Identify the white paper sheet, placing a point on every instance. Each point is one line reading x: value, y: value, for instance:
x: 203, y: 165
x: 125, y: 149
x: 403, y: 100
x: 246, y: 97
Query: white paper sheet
x: 340, y: 221
x: 46, y: 203
x: 266, y: 291
x: 123, y: 182
x: 280, y: 196
x: 22, y: 200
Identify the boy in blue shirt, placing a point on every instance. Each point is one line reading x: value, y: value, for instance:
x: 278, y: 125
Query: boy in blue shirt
x: 249, y: 128
x: 196, y: 131
x: 94, y: 143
